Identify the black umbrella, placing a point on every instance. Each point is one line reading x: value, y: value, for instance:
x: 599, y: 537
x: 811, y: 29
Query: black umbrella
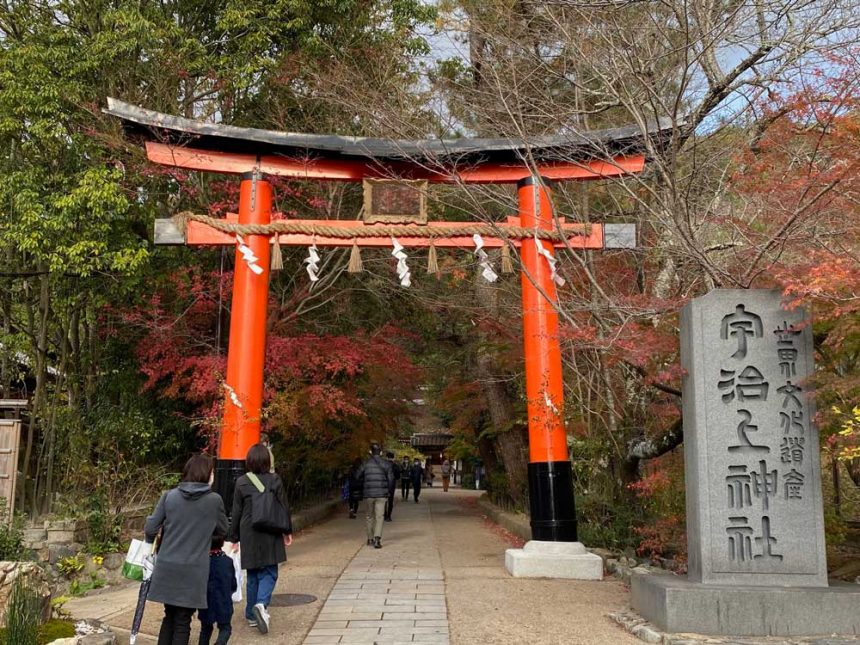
x: 138, y: 611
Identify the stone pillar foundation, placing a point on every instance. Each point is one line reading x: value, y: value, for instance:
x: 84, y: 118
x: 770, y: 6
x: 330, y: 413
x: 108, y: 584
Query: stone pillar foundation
x: 567, y: 560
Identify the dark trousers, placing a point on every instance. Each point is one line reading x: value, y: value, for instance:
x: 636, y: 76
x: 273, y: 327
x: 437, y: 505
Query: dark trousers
x: 404, y: 488
x: 175, y: 626
x: 389, y: 505
x: 353, y: 504
x: 416, y: 488
x: 224, y: 631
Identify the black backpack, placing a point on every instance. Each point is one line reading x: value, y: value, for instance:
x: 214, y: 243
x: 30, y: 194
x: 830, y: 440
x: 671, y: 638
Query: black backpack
x: 268, y: 514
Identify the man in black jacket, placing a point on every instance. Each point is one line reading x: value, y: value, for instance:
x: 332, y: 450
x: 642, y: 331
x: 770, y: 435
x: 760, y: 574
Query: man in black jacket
x: 378, y: 478
x: 389, y: 506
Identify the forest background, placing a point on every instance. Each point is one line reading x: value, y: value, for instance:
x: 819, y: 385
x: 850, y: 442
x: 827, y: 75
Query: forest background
x: 121, y: 346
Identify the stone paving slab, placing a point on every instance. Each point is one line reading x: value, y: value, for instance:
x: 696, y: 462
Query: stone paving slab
x: 391, y: 595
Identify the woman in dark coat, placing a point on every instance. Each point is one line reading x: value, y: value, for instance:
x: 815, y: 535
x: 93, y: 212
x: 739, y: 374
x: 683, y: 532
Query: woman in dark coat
x: 261, y: 553
x: 188, y: 516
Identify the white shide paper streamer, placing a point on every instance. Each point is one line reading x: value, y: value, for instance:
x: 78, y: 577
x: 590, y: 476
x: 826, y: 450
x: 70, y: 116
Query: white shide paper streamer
x: 484, y: 260
x: 402, y: 268
x: 313, y: 262
x: 248, y: 256
x: 548, y: 402
x: 233, y: 396
x: 554, y: 276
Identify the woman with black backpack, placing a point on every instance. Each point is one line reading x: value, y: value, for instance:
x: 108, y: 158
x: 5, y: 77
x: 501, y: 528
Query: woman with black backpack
x: 260, y: 522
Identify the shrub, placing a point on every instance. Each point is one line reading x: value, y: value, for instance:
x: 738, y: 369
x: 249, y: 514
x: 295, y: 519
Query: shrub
x: 11, y: 534
x: 55, y: 629
x: 70, y: 566
x: 23, y: 614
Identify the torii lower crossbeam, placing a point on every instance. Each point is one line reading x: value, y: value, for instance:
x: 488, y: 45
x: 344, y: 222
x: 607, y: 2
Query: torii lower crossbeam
x: 578, y: 236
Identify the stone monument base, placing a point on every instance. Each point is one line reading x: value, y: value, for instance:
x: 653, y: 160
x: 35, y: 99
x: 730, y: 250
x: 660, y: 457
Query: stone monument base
x: 674, y: 604
x: 539, y: 559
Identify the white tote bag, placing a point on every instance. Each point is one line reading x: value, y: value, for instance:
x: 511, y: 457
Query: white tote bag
x: 133, y: 566
x: 237, y: 569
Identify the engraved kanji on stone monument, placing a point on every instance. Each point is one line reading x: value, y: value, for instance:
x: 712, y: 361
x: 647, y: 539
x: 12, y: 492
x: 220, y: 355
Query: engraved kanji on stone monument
x: 741, y: 324
x: 754, y: 513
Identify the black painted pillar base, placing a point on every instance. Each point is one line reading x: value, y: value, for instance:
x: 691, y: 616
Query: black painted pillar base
x: 553, y: 511
x: 227, y: 471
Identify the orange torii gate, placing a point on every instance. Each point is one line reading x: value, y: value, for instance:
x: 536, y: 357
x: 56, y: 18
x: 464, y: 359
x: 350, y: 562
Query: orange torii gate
x: 254, y: 154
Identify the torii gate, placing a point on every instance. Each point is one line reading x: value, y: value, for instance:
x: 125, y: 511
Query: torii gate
x: 254, y: 154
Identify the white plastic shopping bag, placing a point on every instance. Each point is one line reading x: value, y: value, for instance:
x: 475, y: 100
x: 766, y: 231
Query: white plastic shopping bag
x: 137, y: 554
x: 237, y: 568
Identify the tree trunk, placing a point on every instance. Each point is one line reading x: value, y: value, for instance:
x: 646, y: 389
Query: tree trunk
x: 39, y: 331
x: 642, y: 448
x: 511, y: 438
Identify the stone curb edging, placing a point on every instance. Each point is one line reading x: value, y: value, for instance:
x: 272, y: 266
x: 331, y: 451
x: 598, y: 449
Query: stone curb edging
x: 314, y: 514
x: 633, y: 623
x: 516, y: 523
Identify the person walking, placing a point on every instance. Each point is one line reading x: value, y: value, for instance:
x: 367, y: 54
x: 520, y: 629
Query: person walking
x: 187, y: 516
x: 395, y: 467
x: 378, y: 476
x: 417, y: 473
x: 405, y: 477
x: 261, y: 551
x: 428, y: 472
x: 219, y: 601
x: 355, y: 488
x: 446, y: 475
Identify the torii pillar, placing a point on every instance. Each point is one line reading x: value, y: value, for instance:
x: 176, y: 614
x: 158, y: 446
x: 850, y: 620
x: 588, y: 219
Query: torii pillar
x: 246, y: 351
x: 554, y: 551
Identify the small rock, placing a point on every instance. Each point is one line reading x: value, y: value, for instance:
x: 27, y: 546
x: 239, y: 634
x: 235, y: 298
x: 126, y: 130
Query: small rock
x: 642, y: 570
x: 108, y: 638
x: 647, y: 634
x: 611, y: 565
x: 56, y: 536
x: 65, y: 641
x: 603, y: 553
x: 35, y: 535
x: 114, y: 561
x: 59, y: 551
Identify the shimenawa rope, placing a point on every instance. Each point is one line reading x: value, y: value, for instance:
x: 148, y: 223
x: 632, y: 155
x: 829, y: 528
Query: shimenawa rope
x: 377, y: 230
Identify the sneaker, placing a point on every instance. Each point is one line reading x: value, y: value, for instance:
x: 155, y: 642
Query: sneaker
x: 369, y: 541
x: 252, y: 623
x: 377, y: 543
x: 262, y: 618
x: 352, y: 516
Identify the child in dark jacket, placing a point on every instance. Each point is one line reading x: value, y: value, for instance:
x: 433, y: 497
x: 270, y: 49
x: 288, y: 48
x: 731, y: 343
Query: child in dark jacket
x: 222, y: 585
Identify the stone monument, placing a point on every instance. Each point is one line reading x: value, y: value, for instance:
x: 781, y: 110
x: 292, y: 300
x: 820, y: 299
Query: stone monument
x: 755, y: 527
